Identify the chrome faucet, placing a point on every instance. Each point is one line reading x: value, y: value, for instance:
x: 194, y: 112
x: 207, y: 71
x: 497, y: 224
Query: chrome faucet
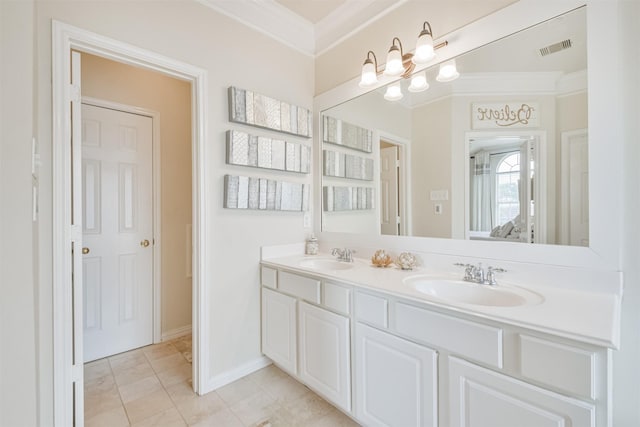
x: 343, y: 254
x: 476, y: 274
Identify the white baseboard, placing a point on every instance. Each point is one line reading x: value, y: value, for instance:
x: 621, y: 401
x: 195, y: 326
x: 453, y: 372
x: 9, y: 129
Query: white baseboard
x: 237, y: 373
x: 176, y: 333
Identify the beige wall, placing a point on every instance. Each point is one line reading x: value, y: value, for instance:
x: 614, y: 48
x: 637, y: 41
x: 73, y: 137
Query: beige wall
x: 18, y: 296
x: 171, y: 98
x: 231, y: 54
x: 344, y: 61
x: 431, y: 167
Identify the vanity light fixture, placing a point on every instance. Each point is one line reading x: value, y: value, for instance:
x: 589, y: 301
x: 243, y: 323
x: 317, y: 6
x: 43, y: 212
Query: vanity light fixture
x: 395, y: 60
x: 419, y: 82
x: 369, y: 71
x: 400, y: 64
x: 394, y: 92
x: 424, y: 46
x: 448, y: 71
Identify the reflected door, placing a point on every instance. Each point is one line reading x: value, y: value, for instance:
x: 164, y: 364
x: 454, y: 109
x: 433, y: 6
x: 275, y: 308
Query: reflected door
x: 117, y: 231
x: 390, y: 215
x: 576, y: 187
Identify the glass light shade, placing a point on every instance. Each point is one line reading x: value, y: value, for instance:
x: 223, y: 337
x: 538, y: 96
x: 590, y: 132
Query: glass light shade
x: 448, y: 71
x: 424, y: 49
x: 369, y: 75
x: 419, y: 82
x: 394, y: 65
x: 394, y: 92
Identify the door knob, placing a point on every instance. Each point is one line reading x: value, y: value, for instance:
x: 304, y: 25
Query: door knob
x: 144, y: 243
x: 85, y: 251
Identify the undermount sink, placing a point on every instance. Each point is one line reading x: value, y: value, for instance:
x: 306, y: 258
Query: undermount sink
x: 460, y: 291
x: 325, y: 264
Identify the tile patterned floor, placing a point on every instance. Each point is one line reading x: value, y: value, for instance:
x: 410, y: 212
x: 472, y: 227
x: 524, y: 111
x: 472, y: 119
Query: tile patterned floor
x: 151, y: 386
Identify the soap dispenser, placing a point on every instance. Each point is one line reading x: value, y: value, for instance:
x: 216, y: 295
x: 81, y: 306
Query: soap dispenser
x: 311, y: 246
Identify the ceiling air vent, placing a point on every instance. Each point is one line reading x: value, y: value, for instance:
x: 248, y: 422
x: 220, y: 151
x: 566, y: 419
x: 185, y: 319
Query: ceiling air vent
x: 556, y: 47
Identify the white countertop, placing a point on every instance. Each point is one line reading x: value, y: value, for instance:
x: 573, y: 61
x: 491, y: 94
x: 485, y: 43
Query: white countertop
x: 590, y: 317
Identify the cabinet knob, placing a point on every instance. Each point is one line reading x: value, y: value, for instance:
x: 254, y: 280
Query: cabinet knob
x: 144, y: 243
x: 85, y: 251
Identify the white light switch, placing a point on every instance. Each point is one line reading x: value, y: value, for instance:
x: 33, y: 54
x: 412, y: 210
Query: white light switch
x: 306, y: 220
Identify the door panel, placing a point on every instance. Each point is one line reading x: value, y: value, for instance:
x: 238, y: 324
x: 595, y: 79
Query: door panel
x: 118, y: 218
x: 389, y: 190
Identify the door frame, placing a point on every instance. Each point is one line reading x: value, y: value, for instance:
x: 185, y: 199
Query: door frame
x: 156, y: 183
x: 67, y: 348
x: 404, y: 181
x: 565, y: 138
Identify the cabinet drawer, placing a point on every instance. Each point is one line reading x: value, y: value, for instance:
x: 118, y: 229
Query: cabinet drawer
x: 372, y: 309
x: 568, y: 368
x: 269, y: 277
x: 336, y: 297
x: 300, y: 286
x: 471, y: 340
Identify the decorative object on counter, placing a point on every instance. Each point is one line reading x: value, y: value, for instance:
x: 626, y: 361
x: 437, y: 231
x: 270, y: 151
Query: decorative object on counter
x: 244, y: 149
x: 347, y: 198
x: 311, y: 245
x: 347, y: 166
x: 406, y: 261
x: 339, y: 132
x: 242, y: 192
x: 258, y: 110
x: 381, y: 259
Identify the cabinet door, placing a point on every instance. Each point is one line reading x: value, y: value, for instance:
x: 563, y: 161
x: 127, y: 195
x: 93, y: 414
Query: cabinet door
x: 324, y: 353
x: 482, y: 398
x: 396, y: 380
x: 279, y: 329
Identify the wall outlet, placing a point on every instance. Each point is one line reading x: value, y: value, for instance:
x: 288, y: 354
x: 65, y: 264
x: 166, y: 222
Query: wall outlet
x: 437, y: 208
x: 306, y: 220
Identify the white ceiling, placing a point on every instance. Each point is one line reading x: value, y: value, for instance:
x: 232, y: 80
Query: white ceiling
x: 309, y: 26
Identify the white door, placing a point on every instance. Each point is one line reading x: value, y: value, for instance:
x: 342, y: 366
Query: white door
x: 575, y: 175
x: 117, y: 231
x: 390, y: 215
x: 480, y: 397
x: 279, y: 329
x: 396, y: 380
x: 578, y: 191
x: 324, y: 341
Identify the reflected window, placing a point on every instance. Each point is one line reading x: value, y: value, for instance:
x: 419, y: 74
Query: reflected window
x: 507, y: 194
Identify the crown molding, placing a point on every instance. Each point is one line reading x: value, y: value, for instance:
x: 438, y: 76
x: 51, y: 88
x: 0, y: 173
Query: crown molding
x: 347, y: 20
x: 270, y: 18
x: 278, y: 22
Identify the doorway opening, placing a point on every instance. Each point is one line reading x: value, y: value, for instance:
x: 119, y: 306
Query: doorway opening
x: 395, y: 219
x: 68, y: 199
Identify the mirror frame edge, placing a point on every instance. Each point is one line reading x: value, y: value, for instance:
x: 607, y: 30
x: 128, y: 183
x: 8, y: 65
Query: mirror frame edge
x: 603, y: 252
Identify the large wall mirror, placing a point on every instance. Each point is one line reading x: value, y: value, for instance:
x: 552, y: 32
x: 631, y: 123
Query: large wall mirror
x: 498, y: 154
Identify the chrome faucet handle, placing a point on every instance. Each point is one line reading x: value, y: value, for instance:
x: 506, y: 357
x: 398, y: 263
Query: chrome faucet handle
x: 478, y: 274
x: 468, y: 271
x: 491, y: 275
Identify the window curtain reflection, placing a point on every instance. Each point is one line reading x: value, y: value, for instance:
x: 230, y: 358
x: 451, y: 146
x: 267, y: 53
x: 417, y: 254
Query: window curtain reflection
x: 481, y: 192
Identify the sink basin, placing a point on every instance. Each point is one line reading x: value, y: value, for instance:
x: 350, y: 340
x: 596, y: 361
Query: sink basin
x: 325, y: 264
x: 459, y: 291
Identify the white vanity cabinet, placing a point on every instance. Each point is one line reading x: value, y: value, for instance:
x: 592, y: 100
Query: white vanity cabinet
x: 480, y: 397
x: 324, y: 343
x: 279, y: 332
x: 306, y: 331
x: 395, y: 380
x: 389, y: 360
